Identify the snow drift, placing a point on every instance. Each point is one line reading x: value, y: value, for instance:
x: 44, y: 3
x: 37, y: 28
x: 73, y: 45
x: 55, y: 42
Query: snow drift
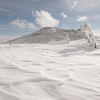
x: 53, y: 71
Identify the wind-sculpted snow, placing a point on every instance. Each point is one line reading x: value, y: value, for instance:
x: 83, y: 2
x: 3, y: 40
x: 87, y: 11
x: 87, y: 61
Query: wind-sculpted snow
x: 53, y: 71
x: 46, y: 35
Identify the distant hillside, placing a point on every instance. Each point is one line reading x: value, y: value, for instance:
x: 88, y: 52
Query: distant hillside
x: 46, y: 35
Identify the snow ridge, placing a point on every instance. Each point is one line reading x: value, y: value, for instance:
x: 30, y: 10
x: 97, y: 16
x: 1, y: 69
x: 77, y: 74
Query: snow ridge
x: 46, y: 35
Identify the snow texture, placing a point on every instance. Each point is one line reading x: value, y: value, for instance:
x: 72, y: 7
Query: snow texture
x: 53, y: 71
x: 67, y: 68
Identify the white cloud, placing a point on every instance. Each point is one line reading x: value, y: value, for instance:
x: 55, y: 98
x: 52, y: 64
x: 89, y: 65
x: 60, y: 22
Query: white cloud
x: 5, y: 10
x: 44, y: 19
x: 6, y: 38
x: 23, y: 24
x: 81, y: 18
x: 82, y: 5
x: 63, y: 15
x: 74, y: 4
x: 94, y: 16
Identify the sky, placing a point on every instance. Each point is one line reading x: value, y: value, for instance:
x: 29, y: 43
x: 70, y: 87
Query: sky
x: 21, y: 17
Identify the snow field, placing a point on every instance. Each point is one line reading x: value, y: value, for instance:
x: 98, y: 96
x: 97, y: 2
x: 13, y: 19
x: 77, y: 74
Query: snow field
x: 54, y: 71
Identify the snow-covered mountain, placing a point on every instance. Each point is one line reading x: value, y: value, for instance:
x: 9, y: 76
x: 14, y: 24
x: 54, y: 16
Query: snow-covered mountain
x: 52, y: 71
x: 47, y: 34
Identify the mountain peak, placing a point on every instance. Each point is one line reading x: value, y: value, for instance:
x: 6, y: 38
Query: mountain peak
x: 46, y: 35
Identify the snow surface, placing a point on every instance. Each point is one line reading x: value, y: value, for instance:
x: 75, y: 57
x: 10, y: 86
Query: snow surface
x: 53, y: 71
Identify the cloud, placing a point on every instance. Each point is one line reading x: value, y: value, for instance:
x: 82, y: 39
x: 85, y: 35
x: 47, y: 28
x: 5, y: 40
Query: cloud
x: 6, y: 38
x: 23, y: 24
x: 74, y: 4
x: 81, y: 18
x: 94, y: 17
x: 63, y: 15
x: 44, y: 19
x: 82, y: 5
x: 9, y: 15
x: 4, y: 10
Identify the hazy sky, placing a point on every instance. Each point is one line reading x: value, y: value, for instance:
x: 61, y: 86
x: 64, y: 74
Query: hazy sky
x: 21, y: 17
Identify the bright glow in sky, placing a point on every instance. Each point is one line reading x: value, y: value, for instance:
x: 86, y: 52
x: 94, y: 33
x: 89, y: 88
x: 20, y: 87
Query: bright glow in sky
x: 21, y: 17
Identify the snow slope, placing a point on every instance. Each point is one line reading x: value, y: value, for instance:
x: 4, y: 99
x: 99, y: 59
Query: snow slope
x: 46, y: 35
x: 53, y: 71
